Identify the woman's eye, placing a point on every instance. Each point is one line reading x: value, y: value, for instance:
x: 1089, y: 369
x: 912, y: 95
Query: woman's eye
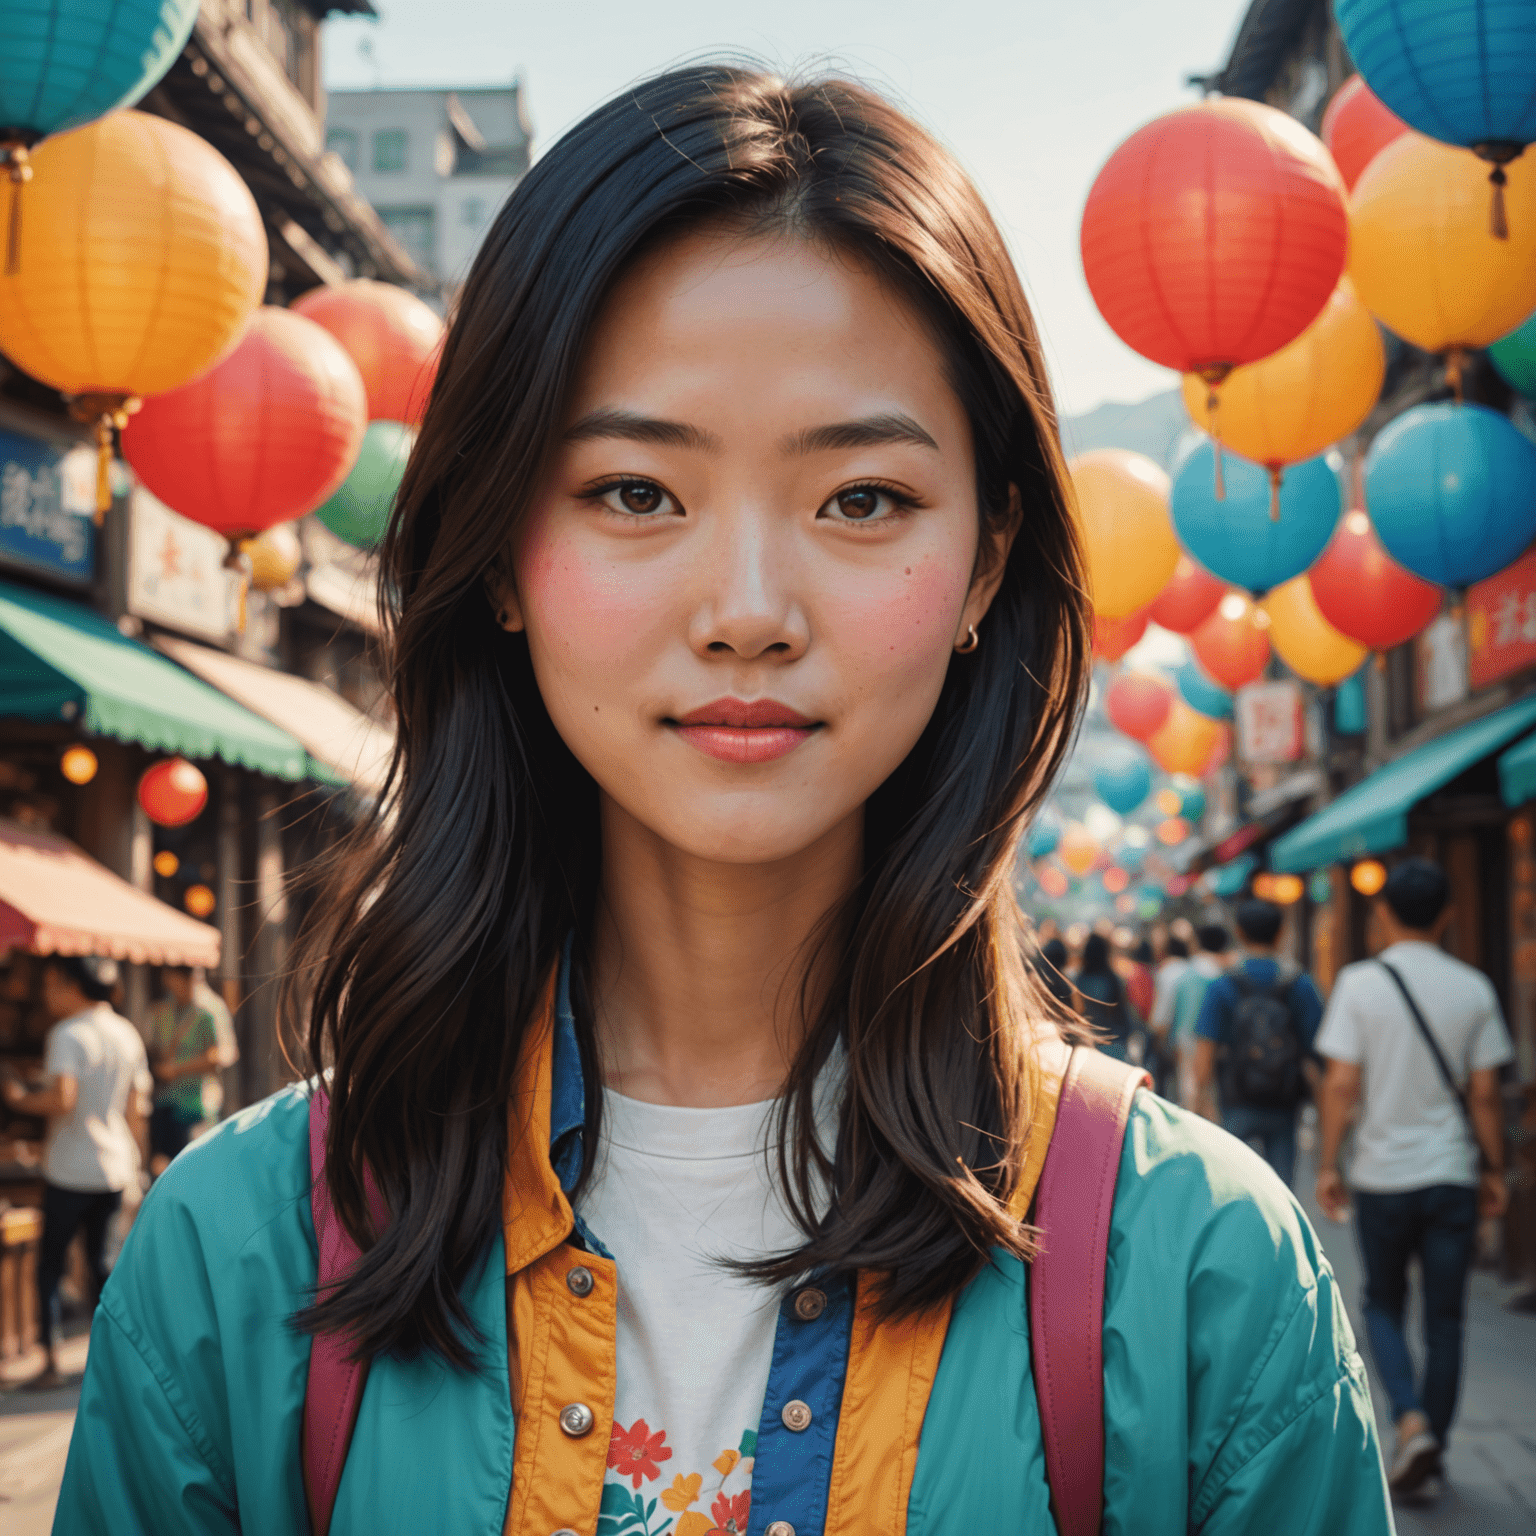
x: 863, y: 504
x: 636, y: 498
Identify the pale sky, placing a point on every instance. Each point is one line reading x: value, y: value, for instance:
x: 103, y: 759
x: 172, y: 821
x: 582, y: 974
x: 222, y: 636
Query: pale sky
x: 1032, y: 95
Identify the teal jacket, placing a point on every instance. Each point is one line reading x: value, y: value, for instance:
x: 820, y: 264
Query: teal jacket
x: 1235, y: 1401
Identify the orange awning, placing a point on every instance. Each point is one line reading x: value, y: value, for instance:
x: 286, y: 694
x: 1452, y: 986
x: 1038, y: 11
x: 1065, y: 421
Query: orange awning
x: 56, y: 900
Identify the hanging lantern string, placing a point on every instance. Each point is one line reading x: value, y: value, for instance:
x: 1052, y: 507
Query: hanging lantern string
x: 15, y: 154
x: 1500, y: 152
x: 1455, y: 363
x: 1213, y: 377
x: 107, y: 413
x: 1276, y: 472
x: 238, y: 560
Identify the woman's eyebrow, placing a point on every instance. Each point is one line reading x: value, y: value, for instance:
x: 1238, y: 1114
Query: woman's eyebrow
x: 634, y: 428
x: 866, y: 432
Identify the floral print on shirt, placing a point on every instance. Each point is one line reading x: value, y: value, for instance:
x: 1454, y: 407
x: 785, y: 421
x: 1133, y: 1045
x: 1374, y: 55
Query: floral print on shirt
x: 713, y: 1503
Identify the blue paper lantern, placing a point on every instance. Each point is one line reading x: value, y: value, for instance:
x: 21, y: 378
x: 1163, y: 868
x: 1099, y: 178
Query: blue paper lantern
x: 1451, y: 490
x: 1515, y: 358
x: 1201, y: 694
x: 66, y: 62
x: 1043, y: 836
x: 1123, y: 778
x: 1130, y: 858
x: 1236, y: 538
x: 1192, y: 802
x: 1349, y: 713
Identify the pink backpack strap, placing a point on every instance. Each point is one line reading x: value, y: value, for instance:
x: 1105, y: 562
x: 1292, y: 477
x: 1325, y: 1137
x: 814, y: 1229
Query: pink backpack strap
x: 1066, y: 1281
x: 335, y: 1384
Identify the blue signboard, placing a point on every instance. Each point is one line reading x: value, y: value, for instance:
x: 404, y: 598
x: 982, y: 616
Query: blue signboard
x: 47, y: 496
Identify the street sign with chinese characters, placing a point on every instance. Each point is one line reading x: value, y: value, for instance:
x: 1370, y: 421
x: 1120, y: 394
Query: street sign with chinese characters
x: 176, y: 572
x: 1271, y: 724
x: 1501, y: 623
x: 47, y: 498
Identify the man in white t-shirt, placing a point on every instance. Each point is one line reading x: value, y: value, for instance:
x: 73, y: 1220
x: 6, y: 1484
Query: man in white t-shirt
x: 1418, y: 1191
x: 97, y: 1072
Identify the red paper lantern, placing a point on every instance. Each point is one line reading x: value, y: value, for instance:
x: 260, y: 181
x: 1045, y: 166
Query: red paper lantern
x: 1138, y: 705
x: 1364, y: 593
x: 1215, y: 235
x: 1356, y: 128
x: 173, y: 792
x: 1189, y: 599
x: 264, y: 436
x: 1231, y: 645
x: 1112, y: 638
x: 392, y: 337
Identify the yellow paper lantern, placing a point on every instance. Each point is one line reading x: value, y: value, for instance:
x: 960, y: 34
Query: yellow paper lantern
x: 1302, y: 399
x: 166, y: 863
x: 1078, y: 849
x: 1420, y: 255
x: 78, y: 765
x: 199, y: 900
x: 1121, y: 503
x: 1186, y: 741
x: 1304, y: 640
x: 275, y: 557
x: 1368, y: 876
x: 141, y: 257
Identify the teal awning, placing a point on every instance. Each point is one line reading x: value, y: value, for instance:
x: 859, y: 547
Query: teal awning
x: 61, y: 661
x: 1372, y: 816
x: 1517, y: 773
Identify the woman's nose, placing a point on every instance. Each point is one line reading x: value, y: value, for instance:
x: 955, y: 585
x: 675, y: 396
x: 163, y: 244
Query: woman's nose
x: 747, y: 589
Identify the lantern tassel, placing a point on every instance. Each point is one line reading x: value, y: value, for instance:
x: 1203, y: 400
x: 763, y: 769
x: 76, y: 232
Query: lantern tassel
x: 238, y: 561
x: 1212, y: 404
x: 14, y: 154
x: 103, y: 466
x: 106, y: 413
x: 1454, y: 360
x: 1275, y: 473
x: 1498, y: 224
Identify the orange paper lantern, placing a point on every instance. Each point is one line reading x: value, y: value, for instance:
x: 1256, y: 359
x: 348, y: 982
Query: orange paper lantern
x: 1078, y: 849
x: 1189, y: 598
x: 1305, y: 641
x: 1120, y: 500
x: 1187, y: 741
x: 1112, y: 638
x: 1232, y: 644
x: 1357, y: 126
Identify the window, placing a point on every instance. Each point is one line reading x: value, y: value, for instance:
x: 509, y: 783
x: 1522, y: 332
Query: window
x: 343, y: 142
x: 389, y: 149
x: 414, y: 228
x: 472, y: 211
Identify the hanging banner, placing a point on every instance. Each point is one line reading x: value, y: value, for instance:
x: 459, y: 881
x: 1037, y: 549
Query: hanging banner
x: 47, y: 502
x: 1501, y: 623
x: 1271, y: 725
x: 1440, y: 651
x: 176, y: 573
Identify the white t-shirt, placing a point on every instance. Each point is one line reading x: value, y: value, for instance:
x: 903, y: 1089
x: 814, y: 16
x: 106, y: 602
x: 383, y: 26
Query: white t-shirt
x: 1412, y: 1133
x: 671, y: 1190
x: 91, y: 1148
x: 1169, y: 974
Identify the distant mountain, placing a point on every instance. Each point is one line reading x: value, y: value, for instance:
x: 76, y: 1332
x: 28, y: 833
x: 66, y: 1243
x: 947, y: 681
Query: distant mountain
x: 1152, y: 427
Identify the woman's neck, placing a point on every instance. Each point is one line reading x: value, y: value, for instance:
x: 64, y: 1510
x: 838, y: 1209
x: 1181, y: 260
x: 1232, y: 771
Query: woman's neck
x: 699, y: 965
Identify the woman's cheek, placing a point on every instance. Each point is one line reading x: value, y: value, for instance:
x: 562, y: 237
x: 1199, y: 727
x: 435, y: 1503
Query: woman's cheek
x: 901, y: 629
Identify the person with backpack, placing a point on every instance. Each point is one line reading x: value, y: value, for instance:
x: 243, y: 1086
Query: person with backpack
x: 1103, y: 999
x: 1254, y: 1038
x: 688, y: 1146
x: 1414, y: 1039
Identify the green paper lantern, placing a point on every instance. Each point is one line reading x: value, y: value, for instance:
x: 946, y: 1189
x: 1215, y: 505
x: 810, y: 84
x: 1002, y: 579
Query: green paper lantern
x: 1515, y: 357
x: 359, y: 511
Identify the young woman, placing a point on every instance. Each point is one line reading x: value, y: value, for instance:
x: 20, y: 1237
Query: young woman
x: 688, y: 1088
x: 1104, y: 1000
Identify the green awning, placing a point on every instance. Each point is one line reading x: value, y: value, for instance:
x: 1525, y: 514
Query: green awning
x: 62, y: 661
x: 1372, y: 816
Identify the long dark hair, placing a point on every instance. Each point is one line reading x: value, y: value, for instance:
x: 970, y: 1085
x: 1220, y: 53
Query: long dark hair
x: 440, y: 926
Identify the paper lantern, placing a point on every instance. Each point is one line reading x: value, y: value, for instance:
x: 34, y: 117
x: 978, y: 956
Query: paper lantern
x: 264, y: 436
x: 1172, y: 832
x: 275, y: 557
x: 1187, y: 741
x: 1420, y: 257
x: 1237, y: 538
x: 1189, y: 598
x: 141, y: 257
x: 1121, y: 503
x: 1515, y: 358
x: 1450, y: 491
x: 1122, y: 777
x: 1305, y: 641
x: 1231, y: 645
x: 199, y: 900
x: 1214, y: 235
x: 1199, y: 692
x: 392, y: 336
x: 1137, y: 705
x: 1459, y: 70
x: 1112, y: 638
x: 78, y: 765
x: 1304, y: 398
x: 1357, y: 127
x: 1053, y: 882
x: 1368, y: 876
x: 64, y: 62
x: 1078, y: 849
x: 1350, y: 716
x: 1114, y: 879
x: 359, y: 510
x: 1044, y: 835
x: 166, y: 864
x: 1191, y: 798
x: 1364, y: 593
x: 173, y: 792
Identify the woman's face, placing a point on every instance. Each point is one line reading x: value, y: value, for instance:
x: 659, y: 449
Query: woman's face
x: 745, y: 574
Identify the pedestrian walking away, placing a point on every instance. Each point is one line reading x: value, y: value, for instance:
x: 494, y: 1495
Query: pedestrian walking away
x: 1254, y: 1037
x: 1189, y: 995
x: 1104, y: 1000
x: 96, y: 1073
x: 688, y: 1144
x: 191, y: 1037
x: 1414, y: 1039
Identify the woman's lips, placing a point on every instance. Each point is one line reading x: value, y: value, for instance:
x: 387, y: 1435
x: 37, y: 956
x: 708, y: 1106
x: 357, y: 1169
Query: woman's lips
x: 735, y: 731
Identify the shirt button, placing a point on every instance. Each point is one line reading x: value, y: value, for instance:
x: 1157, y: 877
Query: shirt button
x: 796, y: 1416
x: 809, y: 1304
x: 580, y: 1283
x: 780, y: 1528
x: 576, y: 1419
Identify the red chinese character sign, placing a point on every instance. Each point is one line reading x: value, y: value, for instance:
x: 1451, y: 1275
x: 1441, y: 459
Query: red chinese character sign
x: 1271, y: 727
x: 1501, y: 623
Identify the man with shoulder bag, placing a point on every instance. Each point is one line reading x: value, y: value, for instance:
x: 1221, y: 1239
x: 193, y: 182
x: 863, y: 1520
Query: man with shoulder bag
x: 1416, y: 1039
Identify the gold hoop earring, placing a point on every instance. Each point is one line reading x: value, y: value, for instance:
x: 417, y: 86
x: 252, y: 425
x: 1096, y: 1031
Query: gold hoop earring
x: 971, y: 641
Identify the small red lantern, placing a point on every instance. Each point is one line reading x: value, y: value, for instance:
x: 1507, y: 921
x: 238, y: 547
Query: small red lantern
x: 392, y: 337
x: 1364, y: 593
x: 1189, y: 599
x: 1112, y: 638
x: 1231, y: 645
x: 263, y: 437
x: 1214, y: 235
x: 1138, y: 705
x: 173, y: 792
x: 1357, y: 126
